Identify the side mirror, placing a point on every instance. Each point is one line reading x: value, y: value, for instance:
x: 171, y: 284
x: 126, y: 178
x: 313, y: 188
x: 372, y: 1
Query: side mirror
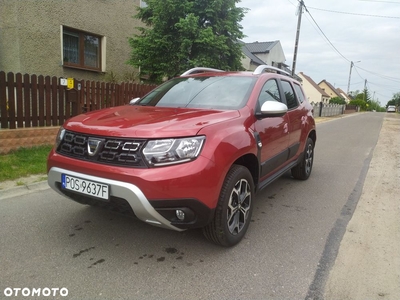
x: 134, y: 100
x: 272, y: 109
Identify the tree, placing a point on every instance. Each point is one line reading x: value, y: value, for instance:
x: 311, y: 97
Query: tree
x: 359, y: 101
x: 337, y: 100
x: 395, y: 100
x: 181, y: 34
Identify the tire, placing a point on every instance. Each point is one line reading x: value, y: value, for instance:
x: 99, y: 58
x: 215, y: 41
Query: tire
x: 234, y: 209
x: 303, y: 170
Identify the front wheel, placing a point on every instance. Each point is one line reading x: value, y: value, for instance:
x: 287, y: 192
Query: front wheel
x: 235, y: 206
x: 303, y: 169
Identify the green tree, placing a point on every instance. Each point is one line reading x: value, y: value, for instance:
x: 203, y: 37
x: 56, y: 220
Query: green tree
x: 360, y: 103
x: 376, y: 106
x: 364, y: 101
x: 337, y: 100
x: 395, y: 100
x: 181, y: 34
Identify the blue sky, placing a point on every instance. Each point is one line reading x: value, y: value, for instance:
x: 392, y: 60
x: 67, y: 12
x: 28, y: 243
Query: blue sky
x: 358, y: 30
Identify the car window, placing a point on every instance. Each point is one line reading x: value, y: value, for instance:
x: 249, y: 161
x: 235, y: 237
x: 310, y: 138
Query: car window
x: 269, y: 92
x: 291, y: 100
x: 299, y: 92
x: 219, y: 92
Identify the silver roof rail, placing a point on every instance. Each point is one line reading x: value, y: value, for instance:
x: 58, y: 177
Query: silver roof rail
x: 200, y: 70
x: 261, y: 69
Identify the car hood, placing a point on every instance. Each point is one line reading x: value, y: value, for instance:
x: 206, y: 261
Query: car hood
x: 147, y: 121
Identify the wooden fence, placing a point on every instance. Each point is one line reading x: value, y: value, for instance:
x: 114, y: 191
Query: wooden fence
x: 37, y: 101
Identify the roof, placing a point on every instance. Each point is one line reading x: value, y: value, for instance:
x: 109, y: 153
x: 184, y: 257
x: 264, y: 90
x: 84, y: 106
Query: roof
x: 343, y: 93
x: 263, y: 47
x: 331, y: 87
x: 316, y: 86
x: 250, y: 55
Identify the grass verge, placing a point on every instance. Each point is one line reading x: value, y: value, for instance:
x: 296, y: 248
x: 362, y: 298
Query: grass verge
x: 24, y: 162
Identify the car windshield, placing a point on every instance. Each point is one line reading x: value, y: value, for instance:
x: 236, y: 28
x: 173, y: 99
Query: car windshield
x: 219, y: 92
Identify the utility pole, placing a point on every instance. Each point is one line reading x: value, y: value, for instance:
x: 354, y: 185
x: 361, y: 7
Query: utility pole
x: 351, y: 66
x: 365, y: 90
x: 296, y: 45
x: 348, y: 85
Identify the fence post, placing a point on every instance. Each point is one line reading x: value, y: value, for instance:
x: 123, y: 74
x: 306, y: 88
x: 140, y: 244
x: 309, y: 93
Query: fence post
x: 321, y: 105
x: 4, y: 107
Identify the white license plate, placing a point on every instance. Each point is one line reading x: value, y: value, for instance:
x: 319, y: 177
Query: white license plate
x: 86, y: 187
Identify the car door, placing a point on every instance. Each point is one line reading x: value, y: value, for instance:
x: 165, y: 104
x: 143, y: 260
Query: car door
x: 273, y: 132
x: 295, y: 116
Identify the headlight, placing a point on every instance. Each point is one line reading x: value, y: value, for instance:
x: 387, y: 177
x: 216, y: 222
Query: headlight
x: 59, y: 137
x: 172, y: 151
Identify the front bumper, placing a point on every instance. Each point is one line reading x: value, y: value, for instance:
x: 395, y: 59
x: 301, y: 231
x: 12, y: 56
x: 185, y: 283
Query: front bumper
x: 129, y: 198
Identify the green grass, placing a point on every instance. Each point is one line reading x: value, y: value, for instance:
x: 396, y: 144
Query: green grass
x: 24, y: 162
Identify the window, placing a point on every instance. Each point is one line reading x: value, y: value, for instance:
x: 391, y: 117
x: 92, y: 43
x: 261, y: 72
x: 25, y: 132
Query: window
x: 219, y: 92
x: 299, y: 92
x: 81, y: 49
x: 143, y: 4
x: 291, y: 100
x: 269, y: 92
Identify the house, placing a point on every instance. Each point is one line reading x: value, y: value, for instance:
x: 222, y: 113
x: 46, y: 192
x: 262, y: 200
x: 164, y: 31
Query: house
x: 263, y: 53
x: 81, y: 39
x: 312, y: 90
x: 344, y: 95
x: 329, y: 89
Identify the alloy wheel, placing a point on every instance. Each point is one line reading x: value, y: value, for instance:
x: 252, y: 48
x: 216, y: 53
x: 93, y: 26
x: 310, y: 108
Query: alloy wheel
x: 239, y: 206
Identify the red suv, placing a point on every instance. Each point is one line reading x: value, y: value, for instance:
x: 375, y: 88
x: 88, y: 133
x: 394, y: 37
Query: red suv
x: 192, y: 153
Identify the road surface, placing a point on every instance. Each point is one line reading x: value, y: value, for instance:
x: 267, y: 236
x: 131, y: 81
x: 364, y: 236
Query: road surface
x: 48, y: 241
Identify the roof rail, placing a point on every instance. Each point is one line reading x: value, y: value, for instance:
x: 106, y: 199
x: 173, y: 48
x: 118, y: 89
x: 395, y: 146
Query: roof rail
x: 200, y: 70
x: 261, y: 69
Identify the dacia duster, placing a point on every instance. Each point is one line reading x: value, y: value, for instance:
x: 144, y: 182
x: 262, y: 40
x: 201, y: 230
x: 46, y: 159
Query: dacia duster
x: 192, y: 153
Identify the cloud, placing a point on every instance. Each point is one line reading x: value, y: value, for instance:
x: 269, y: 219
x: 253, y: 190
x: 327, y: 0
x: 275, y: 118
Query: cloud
x: 373, y: 40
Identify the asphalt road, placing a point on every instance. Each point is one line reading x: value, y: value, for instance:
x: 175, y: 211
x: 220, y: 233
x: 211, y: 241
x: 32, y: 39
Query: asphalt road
x: 47, y: 241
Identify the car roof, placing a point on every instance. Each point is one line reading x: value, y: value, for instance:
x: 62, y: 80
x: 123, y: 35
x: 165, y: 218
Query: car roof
x: 260, y: 71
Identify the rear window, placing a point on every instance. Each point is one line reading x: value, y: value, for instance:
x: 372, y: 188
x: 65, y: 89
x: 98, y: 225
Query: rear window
x: 220, y: 92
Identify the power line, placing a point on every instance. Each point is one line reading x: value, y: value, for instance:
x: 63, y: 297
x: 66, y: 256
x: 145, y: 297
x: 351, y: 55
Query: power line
x: 380, y: 1
x: 325, y: 34
x: 354, y: 14
x: 327, y: 39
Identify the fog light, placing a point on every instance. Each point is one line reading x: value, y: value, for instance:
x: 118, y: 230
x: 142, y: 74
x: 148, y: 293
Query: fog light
x: 180, y: 214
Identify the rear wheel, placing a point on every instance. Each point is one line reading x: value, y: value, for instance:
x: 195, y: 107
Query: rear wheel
x: 235, y: 205
x: 303, y: 169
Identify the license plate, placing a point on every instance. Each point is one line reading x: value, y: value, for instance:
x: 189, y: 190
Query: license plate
x: 86, y: 187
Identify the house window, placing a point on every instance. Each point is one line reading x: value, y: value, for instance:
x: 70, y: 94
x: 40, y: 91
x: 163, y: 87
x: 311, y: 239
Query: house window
x: 143, y: 4
x: 81, y: 49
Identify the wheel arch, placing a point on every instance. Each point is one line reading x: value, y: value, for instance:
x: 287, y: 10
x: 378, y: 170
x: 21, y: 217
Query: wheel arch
x: 250, y: 161
x: 313, y: 136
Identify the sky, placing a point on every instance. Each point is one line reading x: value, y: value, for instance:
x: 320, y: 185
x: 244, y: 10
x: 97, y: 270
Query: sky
x: 332, y: 35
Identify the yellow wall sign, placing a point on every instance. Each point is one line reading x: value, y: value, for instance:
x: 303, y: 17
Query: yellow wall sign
x: 70, y: 83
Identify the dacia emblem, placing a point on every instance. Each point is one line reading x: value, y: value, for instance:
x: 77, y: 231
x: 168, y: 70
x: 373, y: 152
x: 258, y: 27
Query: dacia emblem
x: 93, y: 146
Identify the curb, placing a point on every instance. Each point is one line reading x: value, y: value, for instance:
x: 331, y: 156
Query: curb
x: 23, y: 190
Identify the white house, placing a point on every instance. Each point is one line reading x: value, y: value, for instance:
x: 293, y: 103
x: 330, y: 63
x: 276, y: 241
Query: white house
x: 314, y: 93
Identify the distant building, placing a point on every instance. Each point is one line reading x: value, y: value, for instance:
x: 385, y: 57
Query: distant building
x: 329, y: 89
x: 263, y: 53
x: 313, y: 91
x: 344, y: 95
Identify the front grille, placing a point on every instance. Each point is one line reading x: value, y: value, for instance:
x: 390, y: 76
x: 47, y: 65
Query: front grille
x: 112, y: 151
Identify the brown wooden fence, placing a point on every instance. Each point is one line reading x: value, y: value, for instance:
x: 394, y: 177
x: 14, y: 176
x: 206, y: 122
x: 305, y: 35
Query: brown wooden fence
x: 36, y: 101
